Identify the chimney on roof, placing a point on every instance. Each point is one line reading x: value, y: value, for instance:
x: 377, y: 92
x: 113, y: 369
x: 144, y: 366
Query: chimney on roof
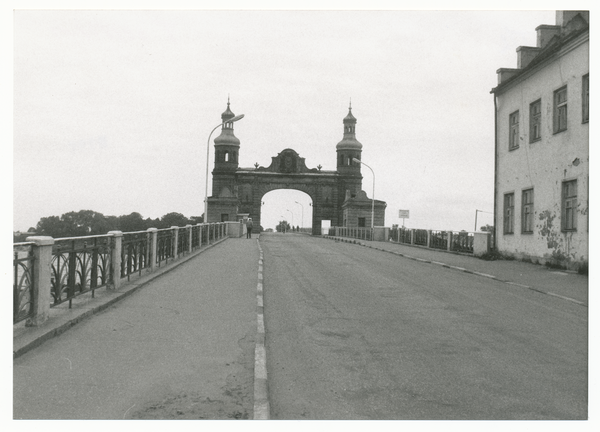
x: 545, y: 33
x: 525, y: 54
x: 563, y: 17
x: 506, y: 73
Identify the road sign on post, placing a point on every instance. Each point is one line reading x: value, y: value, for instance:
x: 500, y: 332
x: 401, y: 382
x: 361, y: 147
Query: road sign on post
x: 403, y: 214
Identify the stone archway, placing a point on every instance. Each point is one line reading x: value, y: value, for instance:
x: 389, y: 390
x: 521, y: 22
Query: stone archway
x: 287, y: 170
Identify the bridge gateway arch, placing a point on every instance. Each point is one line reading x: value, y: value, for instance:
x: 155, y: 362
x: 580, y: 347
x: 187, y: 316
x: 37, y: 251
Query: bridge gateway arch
x: 337, y: 195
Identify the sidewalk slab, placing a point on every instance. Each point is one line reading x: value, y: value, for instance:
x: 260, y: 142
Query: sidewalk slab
x: 563, y: 284
x: 62, y: 318
x: 180, y: 348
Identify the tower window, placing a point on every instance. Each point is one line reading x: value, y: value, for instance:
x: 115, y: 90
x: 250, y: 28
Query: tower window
x: 226, y: 156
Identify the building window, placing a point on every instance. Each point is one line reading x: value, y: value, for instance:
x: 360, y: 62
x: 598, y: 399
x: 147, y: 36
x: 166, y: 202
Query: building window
x: 585, y: 98
x: 513, y: 141
x: 569, y: 205
x: 509, y: 213
x: 527, y: 211
x: 224, y: 217
x: 560, y: 110
x: 362, y: 222
x: 535, y: 121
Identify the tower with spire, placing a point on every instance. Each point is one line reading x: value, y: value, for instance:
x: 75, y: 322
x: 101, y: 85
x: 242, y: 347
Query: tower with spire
x: 347, y: 149
x: 227, y: 146
x: 223, y: 203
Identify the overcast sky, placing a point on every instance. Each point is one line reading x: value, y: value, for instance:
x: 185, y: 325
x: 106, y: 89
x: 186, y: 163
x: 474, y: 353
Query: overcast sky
x: 112, y: 109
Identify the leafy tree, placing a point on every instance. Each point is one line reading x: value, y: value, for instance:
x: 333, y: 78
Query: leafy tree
x: 53, y: 226
x: 88, y: 222
x: 173, y: 219
x: 131, y: 222
x: 283, y: 226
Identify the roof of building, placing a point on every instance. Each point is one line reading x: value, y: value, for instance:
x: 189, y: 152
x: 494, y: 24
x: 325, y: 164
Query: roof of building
x: 571, y: 31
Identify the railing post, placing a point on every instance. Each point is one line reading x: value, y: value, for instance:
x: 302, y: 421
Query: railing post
x: 449, y: 241
x: 412, y: 236
x: 153, y: 247
x: 428, y: 238
x: 189, y: 233
x: 42, y: 282
x: 175, y: 234
x: 116, y: 260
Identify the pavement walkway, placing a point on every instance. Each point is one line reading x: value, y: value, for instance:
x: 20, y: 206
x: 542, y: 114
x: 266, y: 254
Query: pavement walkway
x: 181, y: 347
x: 567, y: 285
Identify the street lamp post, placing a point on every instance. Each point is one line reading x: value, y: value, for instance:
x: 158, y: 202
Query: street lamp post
x: 373, y: 198
x: 302, y: 213
x: 292, y: 217
x: 232, y: 120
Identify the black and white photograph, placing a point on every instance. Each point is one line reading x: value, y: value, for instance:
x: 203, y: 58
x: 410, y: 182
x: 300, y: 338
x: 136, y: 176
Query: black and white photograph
x: 327, y: 214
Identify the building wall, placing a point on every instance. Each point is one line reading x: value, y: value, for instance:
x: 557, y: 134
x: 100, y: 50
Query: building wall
x: 545, y: 164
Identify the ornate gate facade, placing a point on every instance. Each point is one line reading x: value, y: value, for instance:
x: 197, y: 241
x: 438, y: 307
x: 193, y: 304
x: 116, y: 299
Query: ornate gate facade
x: 237, y: 191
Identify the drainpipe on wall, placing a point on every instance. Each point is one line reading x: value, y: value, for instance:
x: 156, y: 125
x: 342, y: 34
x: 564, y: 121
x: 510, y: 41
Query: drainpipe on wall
x: 495, y: 170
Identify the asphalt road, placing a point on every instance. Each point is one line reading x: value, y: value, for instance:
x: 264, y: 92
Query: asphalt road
x: 354, y: 333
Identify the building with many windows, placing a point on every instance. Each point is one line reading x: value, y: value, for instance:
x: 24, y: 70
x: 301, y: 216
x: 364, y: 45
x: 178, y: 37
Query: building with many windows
x: 542, y: 147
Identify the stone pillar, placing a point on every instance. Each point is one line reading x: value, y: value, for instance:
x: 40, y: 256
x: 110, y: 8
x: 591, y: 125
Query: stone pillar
x: 153, y: 246
x: 428, y: 238
x: 42, y: 283
x: 189, y: 233
x: 412, y: 236
x: 175, y: 234
x: 481, y: 243
x: 449, y: 240
x: 116, y: 260
x: 381, y: 233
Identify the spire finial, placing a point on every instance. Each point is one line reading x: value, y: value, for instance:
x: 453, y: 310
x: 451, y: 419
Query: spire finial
x: 350, y: 108
x: 227, y: 99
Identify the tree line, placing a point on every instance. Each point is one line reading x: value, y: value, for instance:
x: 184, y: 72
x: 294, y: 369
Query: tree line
x: 88, y: 222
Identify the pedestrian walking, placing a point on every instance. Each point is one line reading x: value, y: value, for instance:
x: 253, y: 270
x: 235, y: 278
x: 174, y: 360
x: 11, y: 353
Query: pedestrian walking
x: 249, y: 228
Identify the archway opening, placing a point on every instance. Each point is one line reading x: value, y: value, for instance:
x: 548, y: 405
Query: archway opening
x: 289, y: 205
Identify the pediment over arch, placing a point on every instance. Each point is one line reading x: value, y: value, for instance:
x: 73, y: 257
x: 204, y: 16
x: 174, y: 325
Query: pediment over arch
x: 288, y: 161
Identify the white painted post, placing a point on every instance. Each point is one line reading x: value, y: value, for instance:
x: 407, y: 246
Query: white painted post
x: 481, y: 243
x: 412, y: 236
x: 175, y: 231
x: 153, y: 246
x: 42, y: 283
x: 116, y: 260
x: 428, y: 238
x: 189, y: 231
x: 449, y: 240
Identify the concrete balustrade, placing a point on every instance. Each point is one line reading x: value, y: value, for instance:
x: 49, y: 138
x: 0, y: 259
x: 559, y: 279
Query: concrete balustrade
x: 42, y: 248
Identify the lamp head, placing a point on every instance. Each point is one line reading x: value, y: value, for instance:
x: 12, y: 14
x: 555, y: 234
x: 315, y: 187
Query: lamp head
x: 236, y: 118
x: 356, y: 160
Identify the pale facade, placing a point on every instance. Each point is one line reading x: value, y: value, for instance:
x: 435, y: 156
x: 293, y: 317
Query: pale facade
x: 542, y: 147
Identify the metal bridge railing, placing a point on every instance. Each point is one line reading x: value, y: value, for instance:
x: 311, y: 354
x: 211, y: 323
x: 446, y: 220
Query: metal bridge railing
x: 79, y: 265
x: 456, y: 241
x: 48, y: 272
x: 23, y: 268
